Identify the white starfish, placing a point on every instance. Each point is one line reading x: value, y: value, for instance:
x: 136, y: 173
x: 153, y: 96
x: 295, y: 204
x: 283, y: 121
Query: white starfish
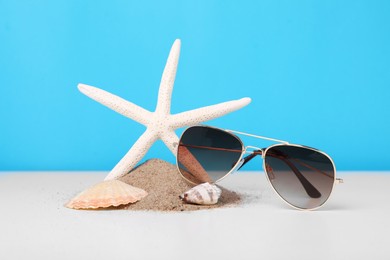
x: 160, y: 123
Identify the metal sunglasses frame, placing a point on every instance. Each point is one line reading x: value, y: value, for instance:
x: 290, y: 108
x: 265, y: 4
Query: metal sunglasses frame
x: 245, y: 150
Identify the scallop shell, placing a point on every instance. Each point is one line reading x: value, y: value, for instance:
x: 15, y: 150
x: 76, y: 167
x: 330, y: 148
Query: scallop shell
x: 106, y: 194
x: 203, y: 194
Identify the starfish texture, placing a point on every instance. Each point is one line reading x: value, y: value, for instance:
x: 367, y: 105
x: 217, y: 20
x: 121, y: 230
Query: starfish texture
x: 160, y: 124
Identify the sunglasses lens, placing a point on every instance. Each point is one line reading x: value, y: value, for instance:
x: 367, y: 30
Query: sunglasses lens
x: 303, y: 177
x: 207, y: 154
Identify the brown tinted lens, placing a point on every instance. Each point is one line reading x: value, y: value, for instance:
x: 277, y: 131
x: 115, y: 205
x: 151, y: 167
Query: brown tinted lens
x: 207, y: 154
x: 303, y: 177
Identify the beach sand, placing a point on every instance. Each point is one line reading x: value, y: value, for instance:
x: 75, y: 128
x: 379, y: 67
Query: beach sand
x: 164, y: 184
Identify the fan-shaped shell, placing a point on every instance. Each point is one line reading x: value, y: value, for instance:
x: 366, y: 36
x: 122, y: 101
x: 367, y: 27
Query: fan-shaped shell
x: 203, y: 194
x: 106, y: 194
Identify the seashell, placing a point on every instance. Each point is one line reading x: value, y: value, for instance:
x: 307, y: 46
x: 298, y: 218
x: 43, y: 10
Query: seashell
x: 203, y: 194
x: 106, y: 194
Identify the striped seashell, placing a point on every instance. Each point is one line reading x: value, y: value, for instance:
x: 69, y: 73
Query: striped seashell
x: 106, y: 194
x: 203, y: 194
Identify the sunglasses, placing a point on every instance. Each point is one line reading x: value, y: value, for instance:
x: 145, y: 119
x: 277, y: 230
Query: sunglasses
x: 302, y: 176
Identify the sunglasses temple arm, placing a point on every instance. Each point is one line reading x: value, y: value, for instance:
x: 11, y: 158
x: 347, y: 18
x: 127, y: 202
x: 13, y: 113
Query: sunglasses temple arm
x: 337, y: 180
x: 309, y: 188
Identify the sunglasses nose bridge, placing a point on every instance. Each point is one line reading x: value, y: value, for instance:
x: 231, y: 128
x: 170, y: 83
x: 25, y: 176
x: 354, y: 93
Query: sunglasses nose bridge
x: 253, y: 149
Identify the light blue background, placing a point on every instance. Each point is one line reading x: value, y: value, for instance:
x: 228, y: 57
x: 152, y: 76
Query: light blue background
x: 318, y: 73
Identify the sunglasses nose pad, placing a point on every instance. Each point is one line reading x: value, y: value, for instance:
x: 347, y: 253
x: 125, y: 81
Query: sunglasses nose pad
x: 269, y: 171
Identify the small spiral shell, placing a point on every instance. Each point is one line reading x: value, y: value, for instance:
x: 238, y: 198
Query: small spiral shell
x: 203, y: 194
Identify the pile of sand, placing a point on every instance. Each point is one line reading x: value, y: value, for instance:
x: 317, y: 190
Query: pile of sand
x: 164, y: 184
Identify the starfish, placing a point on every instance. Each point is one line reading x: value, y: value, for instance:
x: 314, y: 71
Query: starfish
x: 160, y: 124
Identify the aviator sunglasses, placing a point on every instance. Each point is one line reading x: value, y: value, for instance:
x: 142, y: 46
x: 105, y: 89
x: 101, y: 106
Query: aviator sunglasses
x: 302, y: 176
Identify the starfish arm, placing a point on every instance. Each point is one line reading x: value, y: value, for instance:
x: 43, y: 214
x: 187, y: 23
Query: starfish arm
x: 191, y: 167
x: 171, y: 140
x: 207, y: 113
x: 168, y: 79
x: 116, y: 103
x: 133, y: 156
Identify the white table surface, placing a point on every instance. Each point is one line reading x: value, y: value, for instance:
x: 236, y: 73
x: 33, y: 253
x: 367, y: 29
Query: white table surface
x: 354, y: 224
